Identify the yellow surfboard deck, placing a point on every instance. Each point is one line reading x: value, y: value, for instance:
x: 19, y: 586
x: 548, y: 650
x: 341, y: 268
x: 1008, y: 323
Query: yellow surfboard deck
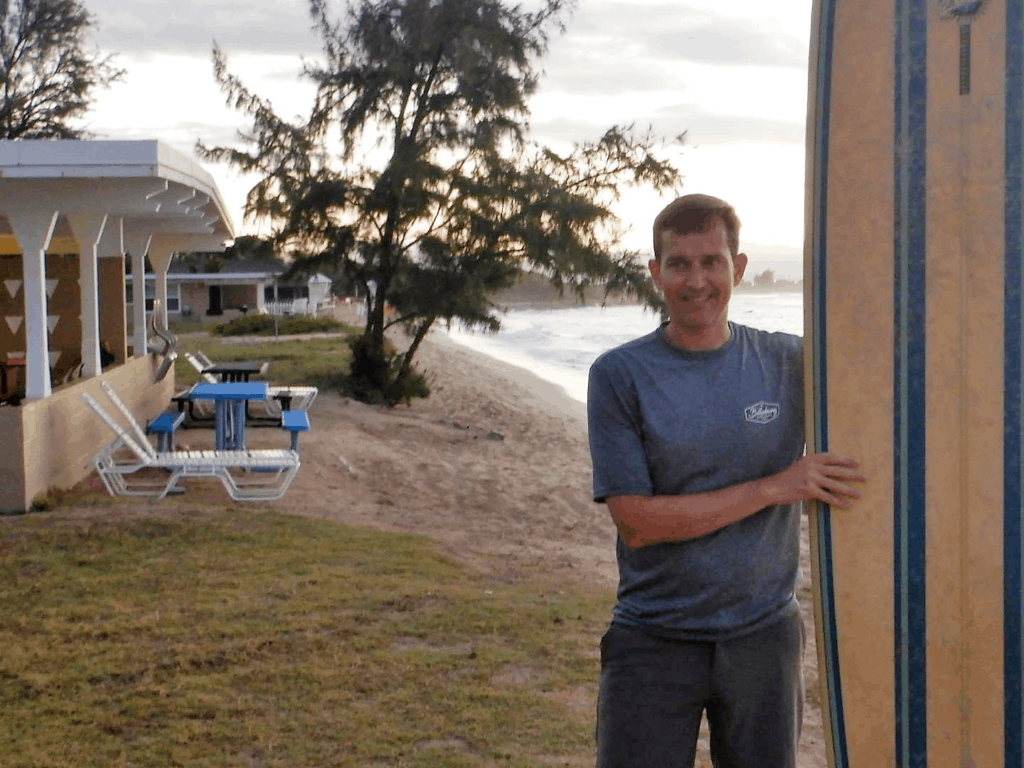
x: 914, y: 348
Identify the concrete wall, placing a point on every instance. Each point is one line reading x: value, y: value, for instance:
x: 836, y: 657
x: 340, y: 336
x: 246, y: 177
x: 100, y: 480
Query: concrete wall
x: 59, y: 435
x: 235, y: 296
x: 195, y: 297
x: 12, y: 467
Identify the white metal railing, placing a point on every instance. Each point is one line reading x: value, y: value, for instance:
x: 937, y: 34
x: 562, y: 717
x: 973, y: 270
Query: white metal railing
x: 293, y: 307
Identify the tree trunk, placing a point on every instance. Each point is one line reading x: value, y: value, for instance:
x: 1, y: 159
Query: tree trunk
x: 421, y: 334
x: 375, y: 322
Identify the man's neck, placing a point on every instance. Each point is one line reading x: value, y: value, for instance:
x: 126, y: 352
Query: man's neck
x: 704, y: 340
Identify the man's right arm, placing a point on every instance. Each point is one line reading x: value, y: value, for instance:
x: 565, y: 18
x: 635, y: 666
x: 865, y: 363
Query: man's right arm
x: 645, y: 520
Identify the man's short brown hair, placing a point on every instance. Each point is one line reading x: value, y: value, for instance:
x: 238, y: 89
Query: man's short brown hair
x: 697, y: 213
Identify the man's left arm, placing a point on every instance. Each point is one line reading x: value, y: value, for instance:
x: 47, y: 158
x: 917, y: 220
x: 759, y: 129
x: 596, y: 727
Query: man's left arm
x: 643, y: 520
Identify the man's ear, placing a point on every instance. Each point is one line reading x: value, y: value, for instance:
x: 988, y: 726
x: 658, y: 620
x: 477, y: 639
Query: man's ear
x: 654, y: 265
x: 739, y: 266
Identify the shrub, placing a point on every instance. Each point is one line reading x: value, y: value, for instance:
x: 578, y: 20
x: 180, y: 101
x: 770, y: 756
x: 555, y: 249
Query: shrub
x: 379, y: 377
x: 268, y: 325
x: 310, y: 325
x: 246, y: 325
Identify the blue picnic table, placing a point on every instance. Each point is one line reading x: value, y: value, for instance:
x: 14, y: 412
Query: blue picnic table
x: 229, y: 399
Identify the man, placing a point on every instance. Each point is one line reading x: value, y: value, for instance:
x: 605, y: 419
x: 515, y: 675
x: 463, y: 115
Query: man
x: 696, y: 435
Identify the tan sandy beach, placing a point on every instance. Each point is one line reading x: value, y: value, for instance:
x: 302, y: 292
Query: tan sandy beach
x: 494, y: 465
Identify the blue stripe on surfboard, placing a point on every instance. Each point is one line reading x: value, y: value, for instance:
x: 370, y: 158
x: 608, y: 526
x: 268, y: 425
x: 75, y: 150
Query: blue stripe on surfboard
x: 1013, y: 484
x: 819, y: 245
x: 909, y: 365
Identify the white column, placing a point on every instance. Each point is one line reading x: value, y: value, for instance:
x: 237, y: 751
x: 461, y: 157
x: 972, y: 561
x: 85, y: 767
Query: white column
x: 161, y: 248
x: 112, y: 241
x: 88, y: 229
x: 137, y: 244
x: 33, y: 231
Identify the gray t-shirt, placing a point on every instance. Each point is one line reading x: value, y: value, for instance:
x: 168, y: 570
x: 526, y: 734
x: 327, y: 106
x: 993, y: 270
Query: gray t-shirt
x: 663, y: 421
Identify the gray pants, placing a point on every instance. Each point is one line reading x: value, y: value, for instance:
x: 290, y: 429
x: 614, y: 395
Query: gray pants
x: 654, y: 691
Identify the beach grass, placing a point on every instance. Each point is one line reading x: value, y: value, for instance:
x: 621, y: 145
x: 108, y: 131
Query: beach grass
x: 322, y: 361
x: 238, y: 638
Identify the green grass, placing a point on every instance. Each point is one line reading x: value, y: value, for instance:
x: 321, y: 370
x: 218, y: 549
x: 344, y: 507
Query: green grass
x: 323, y: 362
x: 178, y: 325
x: 238, y: 639
x: 256, y: 325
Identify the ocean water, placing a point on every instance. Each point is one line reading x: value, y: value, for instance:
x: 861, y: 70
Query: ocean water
x: 559, y: 345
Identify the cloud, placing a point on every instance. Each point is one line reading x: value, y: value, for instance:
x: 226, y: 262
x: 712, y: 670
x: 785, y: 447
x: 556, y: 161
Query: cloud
x: 615, y: 48
x: 181, y: 135
x: 584, y: 69
x: 702, y: 127
x: 632, y: 34
x: 728, y: 43
x: 187, y: 27
x: 735, y: 33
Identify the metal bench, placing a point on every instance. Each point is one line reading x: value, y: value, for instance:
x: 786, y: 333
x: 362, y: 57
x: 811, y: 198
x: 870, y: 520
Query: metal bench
x: 295, y: 422
x: 163, y: 426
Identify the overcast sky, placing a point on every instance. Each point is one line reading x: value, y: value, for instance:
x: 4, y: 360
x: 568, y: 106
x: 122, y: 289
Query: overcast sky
x: 732, y: 75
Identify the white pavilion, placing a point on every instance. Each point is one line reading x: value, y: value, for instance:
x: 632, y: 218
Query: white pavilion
x: 69, y: 212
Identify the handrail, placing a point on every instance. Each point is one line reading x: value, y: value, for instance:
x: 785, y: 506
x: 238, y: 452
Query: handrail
x: 169, y: 352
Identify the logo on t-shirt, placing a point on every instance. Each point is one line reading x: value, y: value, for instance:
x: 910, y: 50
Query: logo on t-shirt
x: 762, y: 412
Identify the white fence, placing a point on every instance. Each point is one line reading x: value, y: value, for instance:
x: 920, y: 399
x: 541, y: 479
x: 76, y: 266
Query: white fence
x: 289, y: 308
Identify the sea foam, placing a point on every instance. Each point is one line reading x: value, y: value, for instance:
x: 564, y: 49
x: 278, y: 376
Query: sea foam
x: 559, y: 345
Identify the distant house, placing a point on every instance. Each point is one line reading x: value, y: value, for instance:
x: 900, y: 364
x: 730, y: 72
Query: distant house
x: 236, y: 288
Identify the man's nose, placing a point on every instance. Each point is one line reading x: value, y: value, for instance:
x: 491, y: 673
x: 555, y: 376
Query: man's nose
x: 695, y: 278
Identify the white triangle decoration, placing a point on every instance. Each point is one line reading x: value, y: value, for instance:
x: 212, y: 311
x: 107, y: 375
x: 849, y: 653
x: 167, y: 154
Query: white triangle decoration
x: 51, y: 286
x: 54, y: 357
x: 14, y: 322
x: 52, y: 320
x: 12, y: 287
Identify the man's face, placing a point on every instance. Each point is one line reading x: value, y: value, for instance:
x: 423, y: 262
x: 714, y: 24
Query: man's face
x: 696, y: 274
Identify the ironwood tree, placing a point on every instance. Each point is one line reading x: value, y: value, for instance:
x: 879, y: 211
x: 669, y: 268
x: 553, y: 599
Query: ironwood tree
x: 415, y: 176
x: 48, y: 72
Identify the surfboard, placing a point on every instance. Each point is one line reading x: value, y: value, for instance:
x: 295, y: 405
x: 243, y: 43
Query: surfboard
x: 913, y: 301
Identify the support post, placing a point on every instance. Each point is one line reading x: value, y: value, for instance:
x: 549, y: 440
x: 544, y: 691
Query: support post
x: 88, y: 229
x: 113, y: 320
x: 33, y: 231
x: 161, y: 249
x: 137, y: 244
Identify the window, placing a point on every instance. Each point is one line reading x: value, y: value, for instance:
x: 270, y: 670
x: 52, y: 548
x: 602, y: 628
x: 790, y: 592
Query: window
x: 286, y: 292
x: 173, y: 296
